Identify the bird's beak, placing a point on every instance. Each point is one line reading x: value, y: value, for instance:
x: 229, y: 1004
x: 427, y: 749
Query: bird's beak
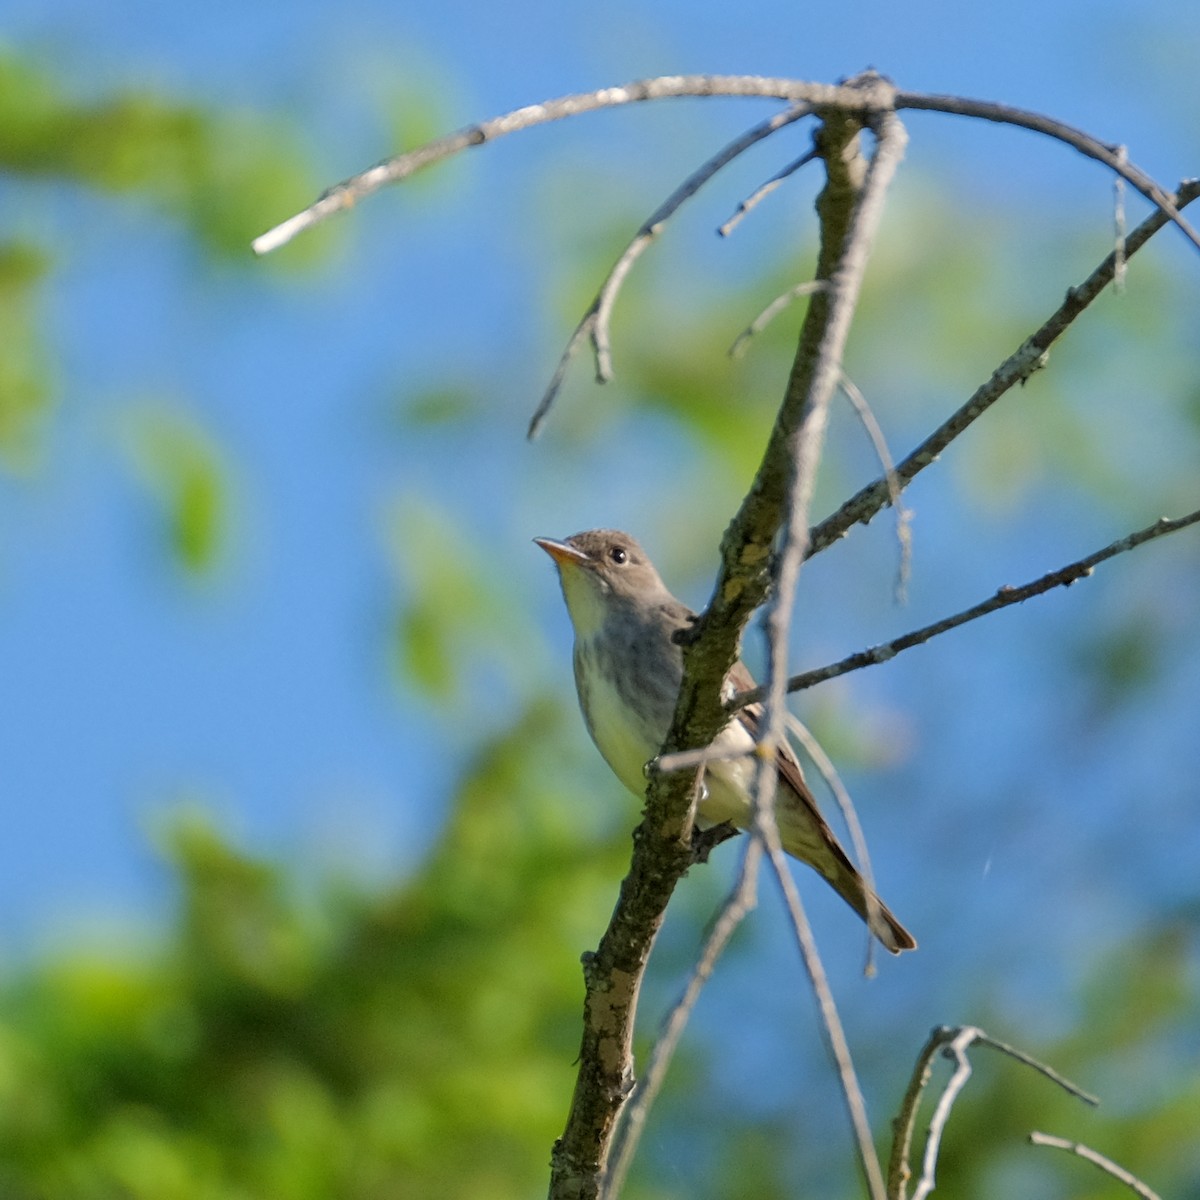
x: 562, y: 552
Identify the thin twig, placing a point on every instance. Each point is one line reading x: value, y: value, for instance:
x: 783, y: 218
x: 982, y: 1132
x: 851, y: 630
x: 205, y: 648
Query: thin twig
x: 1119, y: 228
x: 742, y: 342
x: 738, y: 904
x: 956, y: 1049
x: 595, y: 323
x: 953, y: 1043
x: 346, y: 194
x: 834, y: 1031
x: 687, y: 760
x: 1096, y: 1158
x: 899, y: 1170
x: 764, y: 190
x: 1026, y: 359
x: 841, y: 796
x: 903, y: 515
x: 1027, y: 1060
x: 1004, y: 597
x: 1113, y: 157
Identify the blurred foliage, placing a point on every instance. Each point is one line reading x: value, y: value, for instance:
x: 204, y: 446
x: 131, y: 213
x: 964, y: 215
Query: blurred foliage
x: 25, y: 389
x: 454, y: 618
x: 227, y: 176
x: 419, y: 1041
x: 415, y: 1042
x: 183, y: 471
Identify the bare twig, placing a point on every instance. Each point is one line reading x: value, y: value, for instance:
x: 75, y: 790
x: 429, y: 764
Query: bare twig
x: 739, y: 903
x: 1004, y: 597
x: 841, y: 795
x: 1119, y: 228
x: 688, y: 760
x: 764, y: 190
x: 903, y: 515
x: 1027, y: 1060
x: 1113, y: 157
x: 953, y: 1043
x: 768, y: 314
x: 595, y: 322
x: 1105, y: 1164
x: 899, y: 1170
x: 955, y: 1048
x: 1031, y: 354
x: 346, y: 194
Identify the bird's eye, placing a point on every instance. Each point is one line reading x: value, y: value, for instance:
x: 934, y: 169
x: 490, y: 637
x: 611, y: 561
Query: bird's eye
x: 617, y: 554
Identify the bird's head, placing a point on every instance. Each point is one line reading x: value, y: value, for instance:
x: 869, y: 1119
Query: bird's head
x: 601, y: 570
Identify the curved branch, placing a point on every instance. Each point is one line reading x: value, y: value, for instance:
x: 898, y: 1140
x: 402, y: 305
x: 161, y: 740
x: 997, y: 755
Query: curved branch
x: 346, y: 194
x: 1113, y: 157
x: 595, y: 322
x: 1097, y: 1159
x: 953, y: 1043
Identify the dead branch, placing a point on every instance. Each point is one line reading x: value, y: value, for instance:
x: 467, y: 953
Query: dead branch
x: 952, y: 1043
x: 594, y: 323
x: 1004, y: 597
x: 1019, y: 365
x: 1096, y: 1159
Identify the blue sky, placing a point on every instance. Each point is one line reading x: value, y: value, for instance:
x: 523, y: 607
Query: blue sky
x: 263, y: 693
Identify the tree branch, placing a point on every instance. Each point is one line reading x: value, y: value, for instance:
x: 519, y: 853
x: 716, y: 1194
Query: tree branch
x: 661, y: 848
x: 1026, y: 359
x: 869, y: 93
x: 841, y: 298
x: 1113, y: 157
x: 1097, y: 1159
x: 1004, y: 597
x: 346, y: 194
x: 738, y: 905
x: 595, y: 322
x: 763, y: 191
x: 953, y: 1043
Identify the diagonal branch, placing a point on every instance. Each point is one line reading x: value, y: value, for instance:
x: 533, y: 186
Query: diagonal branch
x: 763, y: 191
x: 1030, y: 355
x: 1097, y: 1159
x: 1004, y: 597
x: 738, y: 905
x: 742, y: 342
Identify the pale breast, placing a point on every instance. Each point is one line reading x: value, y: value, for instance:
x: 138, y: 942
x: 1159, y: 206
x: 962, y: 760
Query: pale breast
x: 624, y: 740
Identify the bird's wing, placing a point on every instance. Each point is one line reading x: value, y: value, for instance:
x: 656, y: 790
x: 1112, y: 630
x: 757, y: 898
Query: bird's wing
x: 806, y: 820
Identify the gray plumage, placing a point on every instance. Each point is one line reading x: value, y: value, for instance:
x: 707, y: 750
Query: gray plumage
x: 628, y: 670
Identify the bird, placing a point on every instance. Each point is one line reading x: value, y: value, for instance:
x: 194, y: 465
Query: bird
x: 628, y: 671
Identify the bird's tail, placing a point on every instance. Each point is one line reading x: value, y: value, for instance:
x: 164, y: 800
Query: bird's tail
x: 806, y: 836
x: 880, y: 920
